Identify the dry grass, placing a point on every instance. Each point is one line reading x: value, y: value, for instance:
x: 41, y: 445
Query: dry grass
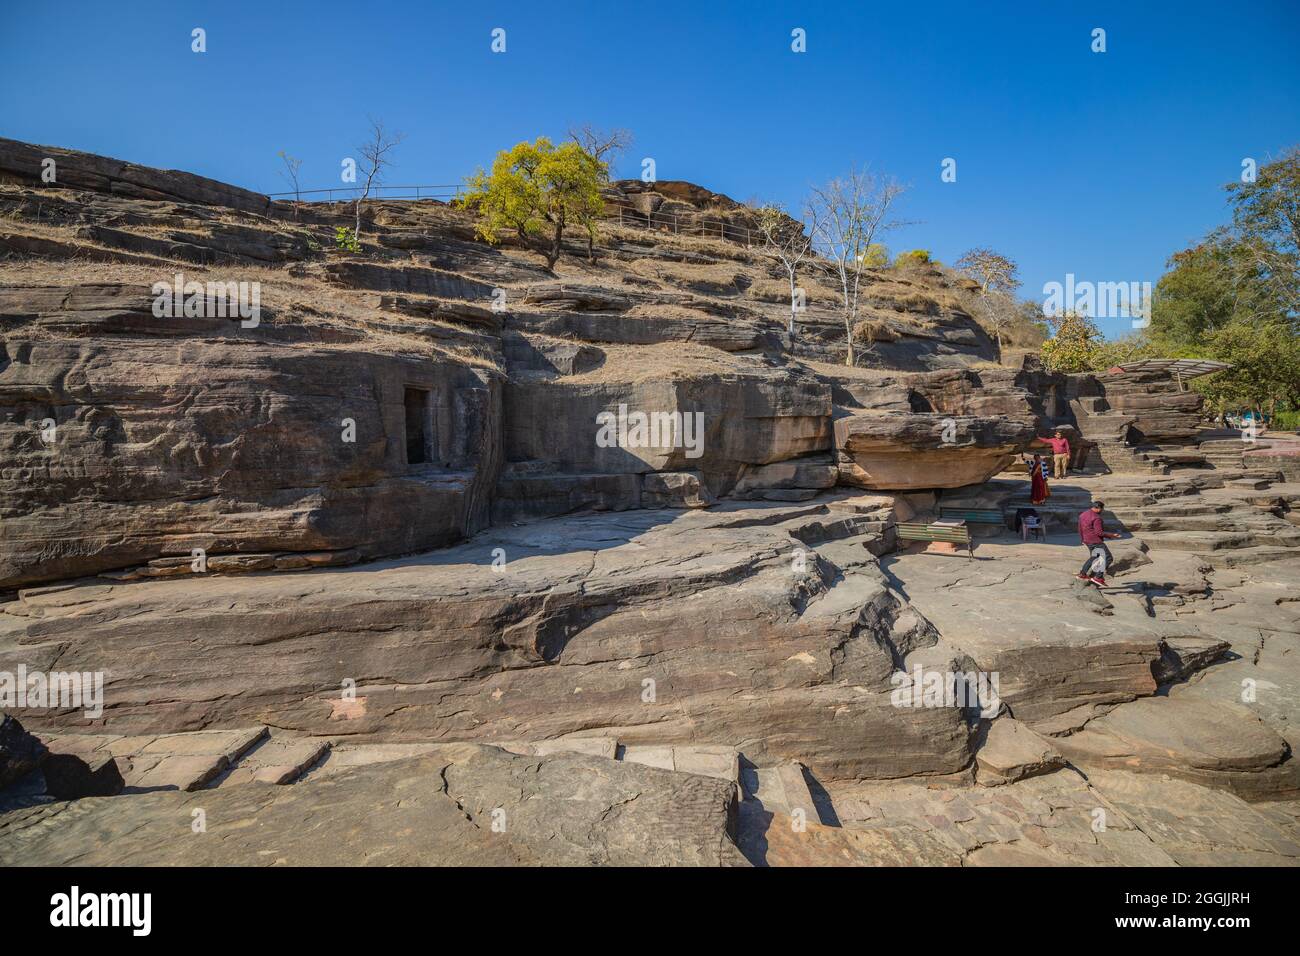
x: 777, y: 291
x: 748, y: 280
x: 874, y: 330
x: 663, y: 362
x: 664, y: 239
x: 723, y: 279
x: 302, y: 300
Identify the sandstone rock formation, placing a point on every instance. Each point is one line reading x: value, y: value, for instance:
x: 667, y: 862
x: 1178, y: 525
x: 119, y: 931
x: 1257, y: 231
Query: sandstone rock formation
x: 436, y: 532
x: 392, y: 402
x: 926, y: 450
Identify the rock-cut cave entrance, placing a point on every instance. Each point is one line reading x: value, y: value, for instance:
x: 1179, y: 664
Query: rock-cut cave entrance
x: 419, y: 421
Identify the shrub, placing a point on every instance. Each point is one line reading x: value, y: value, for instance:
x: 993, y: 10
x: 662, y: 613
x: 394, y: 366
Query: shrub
x: 346, y: 240
x: 1286, y: 421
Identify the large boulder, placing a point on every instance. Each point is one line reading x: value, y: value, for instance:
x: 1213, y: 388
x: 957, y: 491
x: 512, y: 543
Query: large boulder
x: 1160, y: 409
x: 927, y: 450
x: 718, y: 417
x: 1217, y: 743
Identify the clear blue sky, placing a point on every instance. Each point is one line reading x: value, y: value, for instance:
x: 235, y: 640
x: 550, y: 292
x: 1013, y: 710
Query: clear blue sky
x: 1069, y: 161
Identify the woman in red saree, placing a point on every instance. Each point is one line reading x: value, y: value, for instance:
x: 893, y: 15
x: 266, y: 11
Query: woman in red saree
x: 1038, y: 490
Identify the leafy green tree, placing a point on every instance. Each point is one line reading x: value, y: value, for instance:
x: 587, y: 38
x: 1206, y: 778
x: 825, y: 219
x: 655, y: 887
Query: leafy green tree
x: 1235, y: 296
x: 1208, y: 287
x: 1194, y: 297
x: 1265, y: 372
x: 1075, y: 345
x: 1266, y: 228
x: 538, y: 189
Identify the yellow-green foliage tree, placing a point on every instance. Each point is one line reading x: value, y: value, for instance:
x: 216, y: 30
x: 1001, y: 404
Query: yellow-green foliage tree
x: 538, y: 189
x: 1075, y: 345
x: 913, y: 257
x: 876, y: 256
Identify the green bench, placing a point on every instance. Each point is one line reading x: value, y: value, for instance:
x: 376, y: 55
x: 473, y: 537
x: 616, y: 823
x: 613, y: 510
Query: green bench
x: 924, y: 531
x: 973, y: 517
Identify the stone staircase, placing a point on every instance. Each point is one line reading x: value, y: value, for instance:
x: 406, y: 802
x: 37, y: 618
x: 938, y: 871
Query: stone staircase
x: 1122, y: 458
x: 1224, y: 453
x: 1224, y: 530
x: 1229, y: 518
x: 1112, y: 452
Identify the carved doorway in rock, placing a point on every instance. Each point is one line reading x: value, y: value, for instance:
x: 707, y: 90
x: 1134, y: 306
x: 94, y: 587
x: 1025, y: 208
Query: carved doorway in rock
x: 418, y: 408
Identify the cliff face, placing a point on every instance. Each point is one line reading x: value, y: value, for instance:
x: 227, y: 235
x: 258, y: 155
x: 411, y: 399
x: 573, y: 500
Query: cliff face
x: 354, y: 405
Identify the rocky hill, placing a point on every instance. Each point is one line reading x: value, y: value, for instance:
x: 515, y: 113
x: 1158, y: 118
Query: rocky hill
x: 398, y: 503
x: 206, y: 430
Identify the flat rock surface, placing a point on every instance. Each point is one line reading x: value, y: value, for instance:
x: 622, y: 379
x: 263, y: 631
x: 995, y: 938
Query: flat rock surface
x: 718, y: 628
x: 435, y: 810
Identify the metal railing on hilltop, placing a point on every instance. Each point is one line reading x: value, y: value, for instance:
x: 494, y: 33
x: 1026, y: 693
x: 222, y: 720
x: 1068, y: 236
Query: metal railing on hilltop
x: 691, y: 225
x: 626, y: 215
x: 377, y: 193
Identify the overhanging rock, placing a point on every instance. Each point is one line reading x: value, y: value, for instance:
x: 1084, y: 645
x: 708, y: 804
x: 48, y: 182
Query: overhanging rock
x: 906, y: 452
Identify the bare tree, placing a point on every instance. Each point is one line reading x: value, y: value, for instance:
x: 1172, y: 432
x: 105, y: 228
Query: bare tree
x: 847, y: 214
x: 290, y: 175
x: 603, y: 145
x: 375, y: 159
x: 784, y: 237
x: 998, y: 278
x: 993, y: 271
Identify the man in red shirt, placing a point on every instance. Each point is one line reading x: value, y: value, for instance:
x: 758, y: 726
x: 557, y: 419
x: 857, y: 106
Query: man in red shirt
x: 1093, y: 535
x: 1060, y: 452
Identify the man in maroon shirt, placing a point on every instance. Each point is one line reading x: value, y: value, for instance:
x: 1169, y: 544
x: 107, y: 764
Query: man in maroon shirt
x: 1093, y: 535
x: 1060, y: 452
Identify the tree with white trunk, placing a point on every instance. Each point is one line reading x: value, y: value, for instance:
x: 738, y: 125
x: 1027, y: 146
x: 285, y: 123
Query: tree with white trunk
x: 375, y: 159
x: 786, y: 239
x: 848, y: 215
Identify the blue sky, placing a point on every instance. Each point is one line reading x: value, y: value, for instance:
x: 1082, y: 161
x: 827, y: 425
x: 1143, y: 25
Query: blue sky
x: 1070, y: 161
